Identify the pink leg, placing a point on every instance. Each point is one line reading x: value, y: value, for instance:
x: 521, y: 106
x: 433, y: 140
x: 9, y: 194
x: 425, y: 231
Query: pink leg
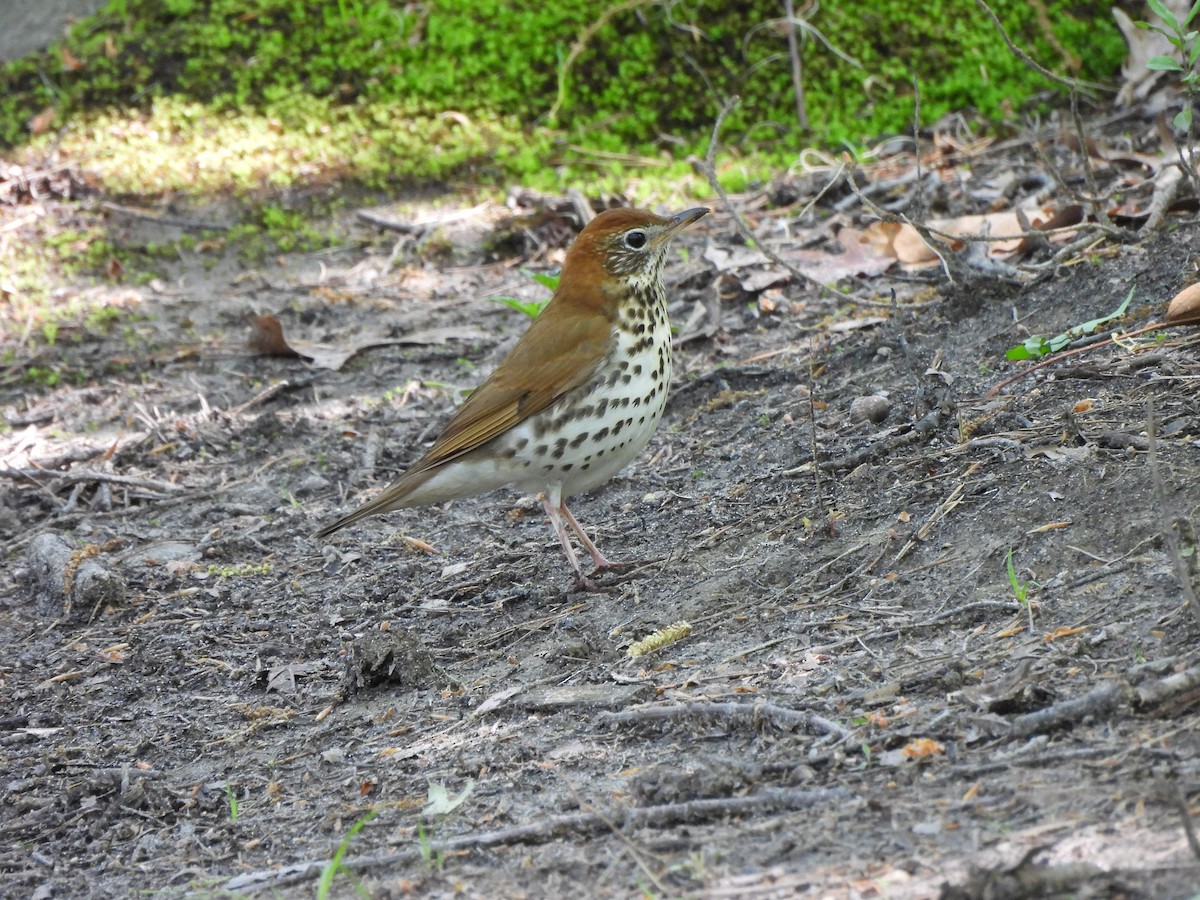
x: 601, y: 561
x: 557, y: 522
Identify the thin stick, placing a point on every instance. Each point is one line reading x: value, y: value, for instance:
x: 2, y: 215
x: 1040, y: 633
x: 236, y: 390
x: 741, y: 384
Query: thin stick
x: 1172, y: 528
x: 1071, y: 83
x: 708, y: 168
x: 780, y: 716
x: 764, y: 801
x: 789, y: 9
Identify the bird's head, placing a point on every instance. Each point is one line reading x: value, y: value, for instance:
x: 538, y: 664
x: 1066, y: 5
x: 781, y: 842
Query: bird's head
x: 628, y: 246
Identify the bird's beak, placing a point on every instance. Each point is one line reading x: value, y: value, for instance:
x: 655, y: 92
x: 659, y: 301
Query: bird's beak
x: 680, y: 221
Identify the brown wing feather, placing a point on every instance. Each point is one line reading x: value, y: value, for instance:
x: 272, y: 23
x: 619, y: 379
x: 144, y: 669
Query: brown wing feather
x: 558, y: 353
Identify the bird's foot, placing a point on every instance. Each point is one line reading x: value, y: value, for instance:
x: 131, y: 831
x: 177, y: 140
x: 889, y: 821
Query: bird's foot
x: 585, y: 585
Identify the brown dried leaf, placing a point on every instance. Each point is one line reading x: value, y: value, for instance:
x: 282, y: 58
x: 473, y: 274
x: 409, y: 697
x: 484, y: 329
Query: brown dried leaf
x: 266, y: 336
x: 1184, y: 308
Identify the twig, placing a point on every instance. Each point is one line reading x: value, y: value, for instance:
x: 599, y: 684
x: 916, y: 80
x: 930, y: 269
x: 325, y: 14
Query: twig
x: 1173, y: 528
x: 923, y: 231
x: 797, y: 68
x: 1185, y: 816
x: 1070, y: 83
x: 1103, y: 699
x: 1153, y: 693
x: 764, y: 801
x: 580, y: 45
x: 261, y: 397
x: 708, y: 168
x: 87, y: 476
x: 779, y: 716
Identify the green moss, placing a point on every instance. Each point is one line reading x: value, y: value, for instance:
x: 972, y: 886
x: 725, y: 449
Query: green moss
x: 266, y: 93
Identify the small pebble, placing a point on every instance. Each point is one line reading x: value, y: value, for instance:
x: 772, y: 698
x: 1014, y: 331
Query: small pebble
x: 873, y: 408
x: 312, y: 484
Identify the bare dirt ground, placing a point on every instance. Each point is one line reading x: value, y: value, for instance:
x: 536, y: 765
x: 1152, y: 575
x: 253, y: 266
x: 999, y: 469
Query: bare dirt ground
x: 864, y: 706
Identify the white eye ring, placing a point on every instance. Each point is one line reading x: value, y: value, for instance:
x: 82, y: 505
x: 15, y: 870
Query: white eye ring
x: 636, y: 239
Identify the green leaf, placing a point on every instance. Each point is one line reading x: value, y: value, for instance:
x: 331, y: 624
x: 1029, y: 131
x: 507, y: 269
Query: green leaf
x: 550, y: 281
x: 531, y: 308
x: 1038, y: 346
x: 1191, y: 13
x: 1160, y: 9
x: 1183, y: 120
x: 1163, y: 64
x: 1034, y: 348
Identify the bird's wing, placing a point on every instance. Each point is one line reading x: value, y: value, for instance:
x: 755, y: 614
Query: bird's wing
x: 562, y: 349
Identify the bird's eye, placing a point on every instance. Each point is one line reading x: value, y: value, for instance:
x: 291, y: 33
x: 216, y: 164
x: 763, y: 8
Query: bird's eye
x: 636, y: 239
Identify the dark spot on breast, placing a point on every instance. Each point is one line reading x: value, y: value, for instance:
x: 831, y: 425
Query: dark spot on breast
x: 509, y: 453
x: 521, y: 444
x: 586, y: 466
x: 540, y: 450
x: 617, y: 428
x: 567, y: 467
x: 625, y: 379
x: 637, y: 370
x: 624, y: 403
x: 579, y: 439
x: 600, y: 435
x: 637, y: 401
x: 641, y: 420
x: 602, y: 407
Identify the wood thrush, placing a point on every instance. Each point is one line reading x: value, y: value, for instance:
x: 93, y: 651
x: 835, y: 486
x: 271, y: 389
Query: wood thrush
x: 579, y: 395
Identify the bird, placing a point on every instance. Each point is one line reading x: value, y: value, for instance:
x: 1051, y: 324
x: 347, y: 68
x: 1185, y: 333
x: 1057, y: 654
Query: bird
x: 576, y: 399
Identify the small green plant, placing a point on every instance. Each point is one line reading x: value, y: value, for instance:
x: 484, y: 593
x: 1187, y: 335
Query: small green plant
x: 1186, y: 42
x: 432, y: 859
x: 334, y: 866
x: 440, y: 804
x: 1039, y: 346
x: 531, y: 308
x: 41, y: 375
x: 1020, y: 588
x: 233, y: 802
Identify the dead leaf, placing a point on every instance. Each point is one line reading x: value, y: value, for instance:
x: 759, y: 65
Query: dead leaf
x: 70, y: 62
x: 40, y: 123
x: 864, y: 254
x: 1065, y: 631
x: 266, y: 336
x: 1184, y: 308
x: 922, y: 748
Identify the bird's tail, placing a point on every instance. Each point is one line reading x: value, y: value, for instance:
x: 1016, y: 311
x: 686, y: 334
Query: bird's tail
x: 400, y: 494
